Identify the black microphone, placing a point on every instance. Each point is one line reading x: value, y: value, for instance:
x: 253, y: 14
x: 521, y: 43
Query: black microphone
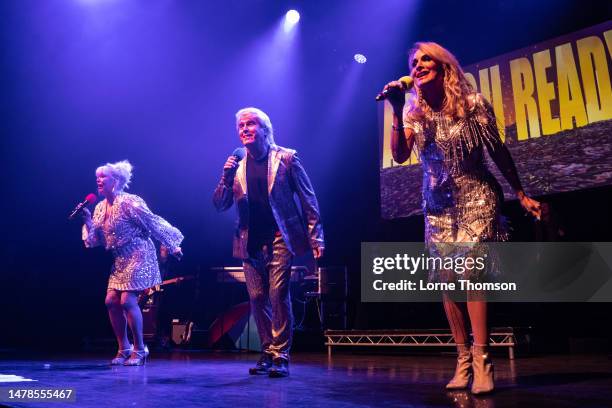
x: 408, y: 83
x: 90, y: 199
x: 239, y: 153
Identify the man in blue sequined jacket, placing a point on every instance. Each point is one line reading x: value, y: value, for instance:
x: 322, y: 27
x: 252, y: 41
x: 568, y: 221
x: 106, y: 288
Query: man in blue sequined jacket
x: 264, y: 181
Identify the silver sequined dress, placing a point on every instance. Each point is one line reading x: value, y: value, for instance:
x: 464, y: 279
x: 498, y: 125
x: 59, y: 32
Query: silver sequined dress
x: 127, y: 233
x: 461, y: 198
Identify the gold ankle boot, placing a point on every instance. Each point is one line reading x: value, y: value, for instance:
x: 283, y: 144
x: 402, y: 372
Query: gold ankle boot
x: 483, y: 370
x: 463, y: 371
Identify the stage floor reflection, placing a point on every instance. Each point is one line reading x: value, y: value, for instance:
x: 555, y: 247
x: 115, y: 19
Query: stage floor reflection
x: 201, y: 379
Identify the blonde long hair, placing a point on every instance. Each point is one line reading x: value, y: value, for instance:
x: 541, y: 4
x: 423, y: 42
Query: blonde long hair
x: 456, y: 86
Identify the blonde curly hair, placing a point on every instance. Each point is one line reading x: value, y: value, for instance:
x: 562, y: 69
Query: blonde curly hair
x: 456, y: 86
x: 121, y: 171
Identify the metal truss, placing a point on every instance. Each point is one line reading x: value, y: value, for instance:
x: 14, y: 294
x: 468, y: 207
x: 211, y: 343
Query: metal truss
x: 499, y: 337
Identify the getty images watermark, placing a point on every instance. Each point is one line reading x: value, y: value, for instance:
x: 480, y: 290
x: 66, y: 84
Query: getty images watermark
x: 466, y: 273
x: 498, y: 271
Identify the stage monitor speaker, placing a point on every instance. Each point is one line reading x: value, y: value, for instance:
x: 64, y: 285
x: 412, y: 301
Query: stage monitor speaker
x: 149, y: 320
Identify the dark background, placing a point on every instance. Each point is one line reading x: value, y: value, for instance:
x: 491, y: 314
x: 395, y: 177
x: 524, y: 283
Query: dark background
x: 85, y: 82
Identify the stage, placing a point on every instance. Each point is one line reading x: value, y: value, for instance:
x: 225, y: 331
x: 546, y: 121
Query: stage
x: 190, y: 379
x: 128, y: 109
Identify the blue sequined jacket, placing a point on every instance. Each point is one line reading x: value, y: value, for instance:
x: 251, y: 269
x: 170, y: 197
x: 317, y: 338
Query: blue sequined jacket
x: 300, y: 227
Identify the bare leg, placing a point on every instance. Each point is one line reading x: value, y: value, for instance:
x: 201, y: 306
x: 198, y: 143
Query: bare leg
x: 117, y: 318
x: 456, y: 315
x: 481, y: 361
x: 477, y: 310
x: 456, y: 319
x: 129, y: 303
x: 482, y: 367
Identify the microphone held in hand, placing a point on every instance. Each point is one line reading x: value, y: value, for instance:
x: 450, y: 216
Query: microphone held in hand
x: 407, y: 83
x: 239, y: 153
x: 90, y: 199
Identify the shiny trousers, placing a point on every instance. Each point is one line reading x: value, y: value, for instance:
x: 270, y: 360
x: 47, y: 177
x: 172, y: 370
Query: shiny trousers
x: 268, y: 274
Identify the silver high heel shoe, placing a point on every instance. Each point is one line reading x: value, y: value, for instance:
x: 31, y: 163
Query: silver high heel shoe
x: 138, y: 357
x: 122, y: 356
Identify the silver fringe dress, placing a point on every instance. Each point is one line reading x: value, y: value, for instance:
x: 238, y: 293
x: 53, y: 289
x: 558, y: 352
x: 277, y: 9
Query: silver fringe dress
x: 461, y: 198
x: 127, y: 233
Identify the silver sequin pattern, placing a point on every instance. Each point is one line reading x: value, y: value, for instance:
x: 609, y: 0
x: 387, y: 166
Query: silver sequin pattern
x: 127, y: 234
x: 461, y: 198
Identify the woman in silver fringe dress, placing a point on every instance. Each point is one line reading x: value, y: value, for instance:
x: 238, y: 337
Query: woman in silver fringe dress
x: 124, y: 225
x: 451, y: 125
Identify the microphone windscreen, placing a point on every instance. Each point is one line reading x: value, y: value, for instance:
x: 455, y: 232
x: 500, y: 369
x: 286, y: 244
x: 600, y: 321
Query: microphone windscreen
x: 91, y: 198
x: 239, y: 153
x: 407, y: 81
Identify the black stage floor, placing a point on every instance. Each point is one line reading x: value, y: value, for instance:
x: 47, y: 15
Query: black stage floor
x: 192, y: 379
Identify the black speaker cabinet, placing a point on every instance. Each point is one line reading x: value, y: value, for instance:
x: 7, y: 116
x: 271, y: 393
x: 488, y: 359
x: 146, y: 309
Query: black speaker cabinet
x: 333, y: 290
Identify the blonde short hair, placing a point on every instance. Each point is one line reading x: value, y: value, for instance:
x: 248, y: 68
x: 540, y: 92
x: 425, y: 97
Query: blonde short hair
x: 121, y: 171
x: 263, y: 118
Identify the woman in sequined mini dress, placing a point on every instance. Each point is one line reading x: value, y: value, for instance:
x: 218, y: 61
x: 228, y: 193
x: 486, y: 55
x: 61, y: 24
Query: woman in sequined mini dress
x: 124, y: 225
x: 451, y: 125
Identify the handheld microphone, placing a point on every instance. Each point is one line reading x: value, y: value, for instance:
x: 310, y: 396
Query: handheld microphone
x: 90, y: 199
x: 239, y: 153
x: 408, y: 83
